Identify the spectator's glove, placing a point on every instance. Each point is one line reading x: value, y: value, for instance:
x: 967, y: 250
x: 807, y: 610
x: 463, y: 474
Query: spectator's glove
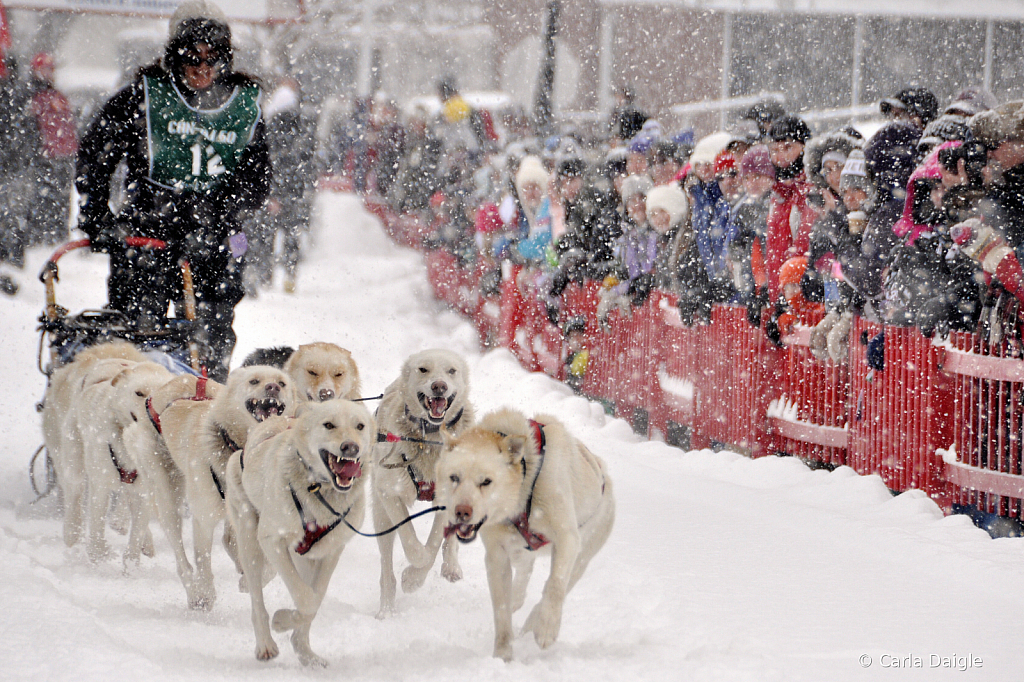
x: 558, y: 283
x: 755, y: 305
x: 772, y: 328
x: 640, y: 288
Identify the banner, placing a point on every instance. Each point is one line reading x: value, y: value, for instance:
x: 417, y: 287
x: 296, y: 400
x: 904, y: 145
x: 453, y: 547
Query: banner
x: 238, y: 10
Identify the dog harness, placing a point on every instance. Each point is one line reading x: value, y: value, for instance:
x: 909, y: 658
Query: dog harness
x: 200, y: 395
x: 126, y: 475
x: 424, y: 489
x: 534, y: 541
x: 314, y: 531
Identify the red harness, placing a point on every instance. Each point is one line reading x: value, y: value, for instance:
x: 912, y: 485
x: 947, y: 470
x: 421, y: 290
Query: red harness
x: 200, y: 395
x: 534, y: 541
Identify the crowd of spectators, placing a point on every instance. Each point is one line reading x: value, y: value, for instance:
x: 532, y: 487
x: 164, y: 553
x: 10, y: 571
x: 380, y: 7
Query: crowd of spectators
x: 920, y: 224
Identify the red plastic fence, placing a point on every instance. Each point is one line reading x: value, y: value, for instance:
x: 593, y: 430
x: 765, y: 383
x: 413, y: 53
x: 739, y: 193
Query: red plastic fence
x: 944, y: 418
x: 984, y: 466
x: 810, y: 418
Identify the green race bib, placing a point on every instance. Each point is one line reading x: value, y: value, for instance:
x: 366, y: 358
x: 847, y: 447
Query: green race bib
x: 192, y: 148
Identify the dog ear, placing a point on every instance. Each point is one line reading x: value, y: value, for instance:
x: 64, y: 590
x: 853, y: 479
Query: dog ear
x: 516, y: 447
x: 120, y: 376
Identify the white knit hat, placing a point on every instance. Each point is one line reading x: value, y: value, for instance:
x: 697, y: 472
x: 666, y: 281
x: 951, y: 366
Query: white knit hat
x: 670, y: 198
x: 709, y: 147
x: 531, y: 169
x: 195, y: 9
x: 636, y: 184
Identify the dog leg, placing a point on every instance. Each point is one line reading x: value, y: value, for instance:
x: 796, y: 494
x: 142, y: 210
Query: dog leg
x: 71, y: 479
x: 244, y: 519
x: 499, y: 580
x: 139, y: 532
x: 204, y: 594
x: 100, y: 487
x: 413, y: 577
x: 416, y: 553
x: 119, y: 518
x: 546, y: 618
x: 164, y: 494
x: 522, y: 564
x: 231, y: 546
x: 299, y: 622
x: 386, y: 545
x: 450, y: 568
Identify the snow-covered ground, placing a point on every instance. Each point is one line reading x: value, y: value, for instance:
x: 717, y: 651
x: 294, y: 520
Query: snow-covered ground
x: 719, y: 567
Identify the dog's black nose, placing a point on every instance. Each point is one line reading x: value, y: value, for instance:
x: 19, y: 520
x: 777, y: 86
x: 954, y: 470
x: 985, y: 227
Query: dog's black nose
x: 349, y: 450
x: 326, y: 394
x: 272, y: 390
x: 439, y: 387
x: 463, y: 513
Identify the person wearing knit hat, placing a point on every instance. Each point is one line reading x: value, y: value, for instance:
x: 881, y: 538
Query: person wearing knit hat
x: 727, y: 175
x: 534, y: 220
x: 667, y: 207
x: 1001, y: 131
x: 634, y: 198
x: 791, y: 307
x: 190, y: 131
x: 702, y: 160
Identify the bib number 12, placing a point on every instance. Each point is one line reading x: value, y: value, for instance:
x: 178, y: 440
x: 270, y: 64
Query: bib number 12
x: 214, y: 165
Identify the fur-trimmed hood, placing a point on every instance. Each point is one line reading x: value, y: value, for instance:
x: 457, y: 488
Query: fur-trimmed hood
x: 835, y: 141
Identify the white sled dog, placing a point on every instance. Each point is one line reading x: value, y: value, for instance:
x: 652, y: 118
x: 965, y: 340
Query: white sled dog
x: 201, y: 435
x: 290, y: 493
x: 323, y: 371
x: 525, y: 484
x: 62, y: 440
x: 430, y: 394
x: 101, y: 415
x: 163, y: 483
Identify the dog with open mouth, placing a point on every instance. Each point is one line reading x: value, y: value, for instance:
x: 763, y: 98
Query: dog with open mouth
x: 291, y: 495
x: 525, y: 485
x: 430, y: 394
x: 321, y: 370
x: 201, y: 436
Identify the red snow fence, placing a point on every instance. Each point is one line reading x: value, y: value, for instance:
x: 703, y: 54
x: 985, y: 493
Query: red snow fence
x: 942, y: 416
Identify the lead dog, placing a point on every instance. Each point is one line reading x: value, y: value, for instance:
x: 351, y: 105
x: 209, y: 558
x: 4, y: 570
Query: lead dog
x: 201, y: 435
x: 431, y: 393
x: 289, y: 495
x: 525, y: 484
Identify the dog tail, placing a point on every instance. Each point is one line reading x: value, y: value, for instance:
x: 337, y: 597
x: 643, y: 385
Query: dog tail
x: 275, y: 357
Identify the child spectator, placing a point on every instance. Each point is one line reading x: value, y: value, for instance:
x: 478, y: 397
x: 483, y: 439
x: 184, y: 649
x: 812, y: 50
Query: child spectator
x: 791, y: 308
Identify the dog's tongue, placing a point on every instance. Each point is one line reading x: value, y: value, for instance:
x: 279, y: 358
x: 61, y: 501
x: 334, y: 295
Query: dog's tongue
x: 437, y: 407
x: 346, y: 468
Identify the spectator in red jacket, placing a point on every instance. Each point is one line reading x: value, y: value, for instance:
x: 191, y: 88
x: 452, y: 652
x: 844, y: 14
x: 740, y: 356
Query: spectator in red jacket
x: 789, y: 216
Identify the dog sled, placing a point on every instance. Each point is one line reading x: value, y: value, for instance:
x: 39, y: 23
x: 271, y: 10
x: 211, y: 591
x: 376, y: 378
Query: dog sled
x: 63, y: 335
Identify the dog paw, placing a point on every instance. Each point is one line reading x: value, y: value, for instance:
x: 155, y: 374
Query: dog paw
x: 147, y: 546
x: 285, y: 620
x: 451, y: 572
x: 97, y: 552
x: 265, y: 652
x: 311, y: 660
x: 413, y: 578
x: 544, y: 625
x: 385, y: 612
x: 201, y: 602
x: 503, y: 651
